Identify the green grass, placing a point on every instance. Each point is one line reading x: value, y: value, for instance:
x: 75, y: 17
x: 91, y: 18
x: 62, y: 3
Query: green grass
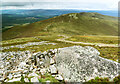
x: 42, y: 37
x: 18, y: 41
x: 105, y: 52
x: 86, y: 24
x: 108, y: 53
x: 47, y: 77
x: 98, y: 80
x: 95, y: 39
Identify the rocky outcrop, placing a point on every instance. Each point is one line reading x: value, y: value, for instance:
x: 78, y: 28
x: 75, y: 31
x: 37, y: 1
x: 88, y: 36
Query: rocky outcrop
x: 80, y: 64
x: 72, y: 64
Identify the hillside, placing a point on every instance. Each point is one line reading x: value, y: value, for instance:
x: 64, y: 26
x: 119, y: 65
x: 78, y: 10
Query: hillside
x: 68, y: 24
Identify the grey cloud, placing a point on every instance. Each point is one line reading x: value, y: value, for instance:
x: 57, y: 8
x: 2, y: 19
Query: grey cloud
x: 15, y: 4
x: 53, y: 5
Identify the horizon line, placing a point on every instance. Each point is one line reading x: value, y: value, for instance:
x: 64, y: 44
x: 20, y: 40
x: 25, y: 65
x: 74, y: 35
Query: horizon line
x: 57, y: 9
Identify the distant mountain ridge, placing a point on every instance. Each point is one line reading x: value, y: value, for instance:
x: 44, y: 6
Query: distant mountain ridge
x: 71, y: 24
x: 57, y: 11
x: 15, y: 16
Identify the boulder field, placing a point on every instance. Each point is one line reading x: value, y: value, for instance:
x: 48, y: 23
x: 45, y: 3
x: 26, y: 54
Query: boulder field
x: 71, y: 64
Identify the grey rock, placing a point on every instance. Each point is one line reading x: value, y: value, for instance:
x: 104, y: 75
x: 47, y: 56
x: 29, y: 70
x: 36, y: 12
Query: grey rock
x: 18, y: 75
x: 31, y: 68
x: 1, y: 79
x: 10, y: 76
x: 52, y: 61
x: 34, y: 79
x: 53, y: 69
x: 25, y: 71
x: 1, y: 72
x: 41, y: 63
x: 59, y: 77
x: 32, y: 74
x: 45, y: 52
x: 26, y: 80
x: 2, y: 66
x: 34, y: 70
x: 43, y: 71
x: 22, y: 64
x: 55, y: 50
x: 80, y: 64
x: 47, y: 61
x: 14, y: 80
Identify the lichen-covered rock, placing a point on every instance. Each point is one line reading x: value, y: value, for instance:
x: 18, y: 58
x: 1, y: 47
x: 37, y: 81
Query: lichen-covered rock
x: 80, y: 64
x: 73, y: 64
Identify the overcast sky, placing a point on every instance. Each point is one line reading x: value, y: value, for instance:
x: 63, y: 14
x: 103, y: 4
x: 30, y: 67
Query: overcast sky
x: 61, y: 4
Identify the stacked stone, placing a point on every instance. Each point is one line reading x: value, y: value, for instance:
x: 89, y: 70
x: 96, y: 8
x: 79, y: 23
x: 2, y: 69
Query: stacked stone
x: 72, y: 64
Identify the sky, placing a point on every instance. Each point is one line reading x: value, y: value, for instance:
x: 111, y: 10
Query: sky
x: 61, y: 4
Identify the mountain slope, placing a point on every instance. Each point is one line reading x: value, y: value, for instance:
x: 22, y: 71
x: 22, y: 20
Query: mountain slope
x: 70, y: 24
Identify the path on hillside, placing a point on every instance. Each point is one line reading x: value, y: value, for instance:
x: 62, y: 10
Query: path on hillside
x: 96, y: 44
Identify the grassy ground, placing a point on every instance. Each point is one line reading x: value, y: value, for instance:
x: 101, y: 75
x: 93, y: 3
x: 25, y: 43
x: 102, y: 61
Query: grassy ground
x: 98, y: 80
x: 95, y: 39
x: 106, y: 52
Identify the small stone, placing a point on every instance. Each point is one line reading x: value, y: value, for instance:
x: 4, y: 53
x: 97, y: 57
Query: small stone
x: 16, y: 76
x: 25, y: 71
x: 53, y: 69
x: 6, y: 80
x: 52, y: 61
x: 55, y: 50
x: 48, y: 82
x: 59, y: 77
x: 19, y: 69
x: 15, y: 79
x: 22, y: 64
x: 35, y: 54
x: 34, y: 79
x: 44, y: 52
x: 31, y: 68
x: 10, y: 76
x: 48, y: 69
x: 34, y: 70
x: 43, y: 71
x: 2, y: 66
x: 1, y: 79
x: 26, y: 80
x: 38, y: 69
x: 23, y: 75
x: 33, y: 74
x: 1, y: 72
x: 47, y: 61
